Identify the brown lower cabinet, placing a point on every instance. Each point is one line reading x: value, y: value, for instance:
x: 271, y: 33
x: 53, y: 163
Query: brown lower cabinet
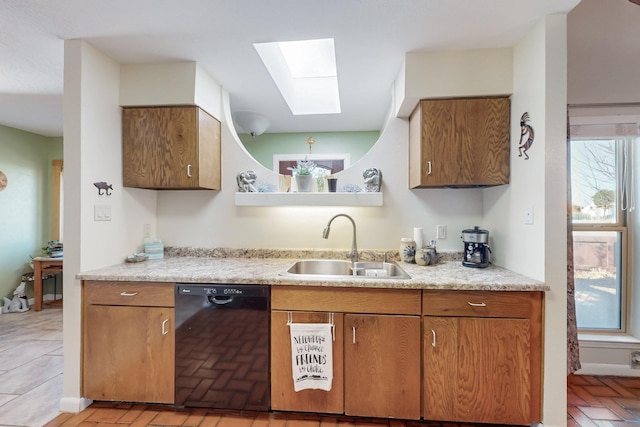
x: 473, y: 356
x: 376, y: 352
x: 382, y: 366
x: 459, y: 356
x: 482, y: 356
x: 128, y: 342
x: 283, y: 396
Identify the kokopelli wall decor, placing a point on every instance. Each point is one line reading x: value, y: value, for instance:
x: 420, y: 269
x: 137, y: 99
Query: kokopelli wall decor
x: 526, y: 131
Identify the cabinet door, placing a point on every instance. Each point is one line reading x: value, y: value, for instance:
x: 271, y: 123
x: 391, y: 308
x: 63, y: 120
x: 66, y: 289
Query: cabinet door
x: 382, y: 366
x: 283, y: 396
x: 128, y: 353
x: 460, y: 142
x: 440, y: 370
x: 477, y: 370
x: 209, y: 152
x: 159, y: 147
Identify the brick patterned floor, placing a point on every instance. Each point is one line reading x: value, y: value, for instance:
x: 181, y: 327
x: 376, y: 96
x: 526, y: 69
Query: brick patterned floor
x: 603, y: 401
x: 591, y: 402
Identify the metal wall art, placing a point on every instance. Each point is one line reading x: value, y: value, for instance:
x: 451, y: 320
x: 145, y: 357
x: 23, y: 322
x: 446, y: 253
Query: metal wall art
x: 526, y: 131
x: 103, y: 186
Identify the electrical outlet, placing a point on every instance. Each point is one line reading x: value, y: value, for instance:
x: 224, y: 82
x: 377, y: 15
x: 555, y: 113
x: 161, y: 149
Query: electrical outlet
x: 635, y: 360
x: 441, y: 231
x: 147, y: 231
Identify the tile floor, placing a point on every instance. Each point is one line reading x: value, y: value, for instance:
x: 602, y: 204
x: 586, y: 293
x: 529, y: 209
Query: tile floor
x: 30, y: 367
x: 31, y: 389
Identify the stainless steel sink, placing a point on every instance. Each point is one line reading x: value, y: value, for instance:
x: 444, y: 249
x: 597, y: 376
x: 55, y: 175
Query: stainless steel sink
x: 318, y: 268
x: 390, y: 270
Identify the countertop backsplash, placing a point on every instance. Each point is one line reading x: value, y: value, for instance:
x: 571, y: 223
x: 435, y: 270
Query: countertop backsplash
x: 363, y: 255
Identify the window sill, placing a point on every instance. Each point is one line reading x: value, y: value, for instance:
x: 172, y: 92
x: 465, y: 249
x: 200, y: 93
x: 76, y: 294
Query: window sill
x: 587, y: 340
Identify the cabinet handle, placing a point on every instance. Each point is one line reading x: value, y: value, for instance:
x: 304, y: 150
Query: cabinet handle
x: 189, y: 171
x: 476, y: 304
x: 164, y: 329
x: 433, y: 338
x: 128, y: 294
x: 429, y: 167
x: 353, y: 330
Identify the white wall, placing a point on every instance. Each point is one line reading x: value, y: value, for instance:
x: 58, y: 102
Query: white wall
x: 555, y: 216
x: 211, y: 219
x: 449, y: 74
x: 539, y: 250
x: 505, y: 205
x: 173, y: 83
x: 92, y: 153
x: 603, y: 52
x: 141, y: 83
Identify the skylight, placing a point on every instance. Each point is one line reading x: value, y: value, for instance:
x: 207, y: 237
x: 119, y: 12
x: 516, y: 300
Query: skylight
x: 305, y: 73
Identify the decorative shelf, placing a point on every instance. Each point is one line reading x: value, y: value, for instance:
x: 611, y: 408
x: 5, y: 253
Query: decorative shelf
x: 309, y: 199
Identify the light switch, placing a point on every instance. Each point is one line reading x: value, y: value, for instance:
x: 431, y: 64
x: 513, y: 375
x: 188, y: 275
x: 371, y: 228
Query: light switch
x: 528, y: 215
x: 102, y: 212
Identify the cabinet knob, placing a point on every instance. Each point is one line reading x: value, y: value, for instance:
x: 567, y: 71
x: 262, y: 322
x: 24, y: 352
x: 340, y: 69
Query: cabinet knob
x: 128, y: 294
x: 189, y: 171
x: 164, y: 327
x: 433, y: 338
x: 353, y: 329
x: 429, y: 167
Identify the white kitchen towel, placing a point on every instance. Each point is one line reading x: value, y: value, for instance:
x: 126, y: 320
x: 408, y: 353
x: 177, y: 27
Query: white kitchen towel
x: 311, y: 356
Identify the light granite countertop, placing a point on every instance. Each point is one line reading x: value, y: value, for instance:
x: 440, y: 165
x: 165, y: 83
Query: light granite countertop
x: 243, y: 268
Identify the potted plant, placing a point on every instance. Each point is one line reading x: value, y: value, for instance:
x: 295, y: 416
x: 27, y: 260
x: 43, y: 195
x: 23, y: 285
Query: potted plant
x: 303, y: 173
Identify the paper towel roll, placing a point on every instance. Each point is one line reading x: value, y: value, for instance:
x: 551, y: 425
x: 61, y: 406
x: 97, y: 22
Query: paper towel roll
x: 417, y: 236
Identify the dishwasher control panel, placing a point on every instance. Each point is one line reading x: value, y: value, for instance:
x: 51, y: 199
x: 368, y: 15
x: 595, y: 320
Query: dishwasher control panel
x: 215, y: 289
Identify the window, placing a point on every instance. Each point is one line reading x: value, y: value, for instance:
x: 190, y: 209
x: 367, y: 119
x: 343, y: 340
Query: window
x: 599, y: 216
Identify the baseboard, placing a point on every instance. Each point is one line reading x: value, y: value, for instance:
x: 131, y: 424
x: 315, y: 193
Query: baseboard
x: 74, y: 404
x: 608, y: 369
x: 45, y: 298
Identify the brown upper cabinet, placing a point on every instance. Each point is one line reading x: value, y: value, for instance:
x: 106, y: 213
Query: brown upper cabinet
x: 170, y: 148
x: 461, y: 142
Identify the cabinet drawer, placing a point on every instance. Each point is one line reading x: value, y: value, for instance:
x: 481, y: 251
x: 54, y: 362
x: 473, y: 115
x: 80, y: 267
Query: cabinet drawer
x: 346, y: 300
x: 145, y: 294
x: 479, y: 303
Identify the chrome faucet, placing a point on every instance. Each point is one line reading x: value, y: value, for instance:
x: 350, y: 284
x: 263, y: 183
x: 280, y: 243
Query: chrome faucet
x: 353, y: 255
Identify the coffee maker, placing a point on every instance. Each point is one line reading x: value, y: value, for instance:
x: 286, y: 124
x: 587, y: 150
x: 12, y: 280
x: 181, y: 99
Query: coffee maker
x: 476, y: 247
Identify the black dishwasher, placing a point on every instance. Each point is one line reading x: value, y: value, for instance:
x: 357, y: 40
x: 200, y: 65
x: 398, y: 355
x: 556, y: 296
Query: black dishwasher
x: 222, y: 346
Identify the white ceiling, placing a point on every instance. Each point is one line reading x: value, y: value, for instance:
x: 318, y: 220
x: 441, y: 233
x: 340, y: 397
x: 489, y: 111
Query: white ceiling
x: 371, y: 38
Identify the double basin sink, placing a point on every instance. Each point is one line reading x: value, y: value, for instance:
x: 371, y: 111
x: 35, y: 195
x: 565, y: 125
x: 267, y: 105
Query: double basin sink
x: 331, y: 268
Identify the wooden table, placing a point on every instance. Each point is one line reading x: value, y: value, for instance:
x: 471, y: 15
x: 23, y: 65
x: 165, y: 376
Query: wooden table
x: 43, y: 265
